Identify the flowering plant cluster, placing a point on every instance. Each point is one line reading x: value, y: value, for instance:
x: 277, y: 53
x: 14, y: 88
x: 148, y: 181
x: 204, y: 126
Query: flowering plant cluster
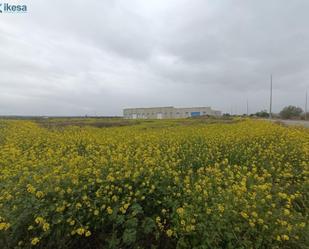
x: 240, y: 185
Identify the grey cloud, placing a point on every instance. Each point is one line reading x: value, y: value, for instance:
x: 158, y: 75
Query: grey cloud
x: 73, y: 57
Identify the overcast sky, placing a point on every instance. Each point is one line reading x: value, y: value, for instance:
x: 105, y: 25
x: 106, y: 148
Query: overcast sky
x: 97, y: 57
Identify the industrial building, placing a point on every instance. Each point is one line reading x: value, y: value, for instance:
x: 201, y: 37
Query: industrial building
x: 168, y: 112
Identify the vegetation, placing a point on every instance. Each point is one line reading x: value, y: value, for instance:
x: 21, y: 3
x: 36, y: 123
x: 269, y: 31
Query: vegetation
x: 156, y: 184
x: 291, y: 111
x: 262, y: 114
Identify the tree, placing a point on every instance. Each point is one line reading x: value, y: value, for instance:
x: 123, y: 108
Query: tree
x: 291, y: 111
x: 262, y: 114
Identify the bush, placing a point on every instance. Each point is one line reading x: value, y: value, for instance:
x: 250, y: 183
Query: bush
x: 290, y: 111
x: 262, y: 114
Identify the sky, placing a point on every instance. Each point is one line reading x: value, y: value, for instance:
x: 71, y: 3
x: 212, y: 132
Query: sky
x: 96, y: 57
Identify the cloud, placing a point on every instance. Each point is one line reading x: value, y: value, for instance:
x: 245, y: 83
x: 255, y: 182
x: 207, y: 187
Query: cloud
x: 72, y: 57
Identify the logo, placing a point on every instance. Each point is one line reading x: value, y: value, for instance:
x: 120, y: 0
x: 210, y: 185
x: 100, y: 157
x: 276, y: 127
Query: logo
x: 13, y: 8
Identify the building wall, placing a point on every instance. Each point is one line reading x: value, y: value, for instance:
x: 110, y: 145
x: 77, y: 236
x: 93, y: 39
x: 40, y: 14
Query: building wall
x: 149, y: 113
x: 192, y: 111
x: 168, y: 112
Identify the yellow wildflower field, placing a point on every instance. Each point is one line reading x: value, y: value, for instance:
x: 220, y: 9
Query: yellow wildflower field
x: 236, y: 185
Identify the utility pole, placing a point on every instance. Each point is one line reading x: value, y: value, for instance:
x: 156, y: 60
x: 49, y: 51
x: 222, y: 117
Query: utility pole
x: 306, y: 104
x: 271, y: 96
x: 247, y: 108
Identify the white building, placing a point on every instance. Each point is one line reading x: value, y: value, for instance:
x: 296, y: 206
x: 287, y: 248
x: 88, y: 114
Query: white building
x: 168, y: 112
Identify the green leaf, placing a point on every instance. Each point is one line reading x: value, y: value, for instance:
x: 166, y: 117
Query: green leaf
x: 120, y: 219
x: 131, y: 223
x: 113, y: 242
x: 136, y: 209
x: 129, y: 236
x: 182, y: 244
x: 148, y: 225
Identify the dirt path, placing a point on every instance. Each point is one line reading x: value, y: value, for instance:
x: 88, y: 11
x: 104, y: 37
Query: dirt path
x: 293, y: 122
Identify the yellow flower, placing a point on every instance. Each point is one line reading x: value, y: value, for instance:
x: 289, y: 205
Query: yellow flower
x: 60, y: 209
x: 96, y: 212
x: 125, y: 206
x: 39, y: 194
x: 260, y: 221
x: 109, y: 210
x: 45, y: 227
x: 221, y: 208
x: 244, y: 215
x: 122, y: 210
x: 114, y: 198
x: 158, y: 219
x: 80, y: 231
x: 39, y: 220
x: 78, y: 205
x: 254, y: 214
x: 88, y: 233
x: 35, y: 241
x: 169, y: 232
x: 4, y: 226
x: 286, y: 212
x: 285, y: 237
x: 283, y: 195
x: 190, y: 228
x: 30, y: 188
x: 180, y: 211
x: 251, y: 223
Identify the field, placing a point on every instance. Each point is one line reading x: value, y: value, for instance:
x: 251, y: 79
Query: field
x: 153, y: 184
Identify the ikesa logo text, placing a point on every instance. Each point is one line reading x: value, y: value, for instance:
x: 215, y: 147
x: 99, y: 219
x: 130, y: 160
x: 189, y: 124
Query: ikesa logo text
x: 12, y: 8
